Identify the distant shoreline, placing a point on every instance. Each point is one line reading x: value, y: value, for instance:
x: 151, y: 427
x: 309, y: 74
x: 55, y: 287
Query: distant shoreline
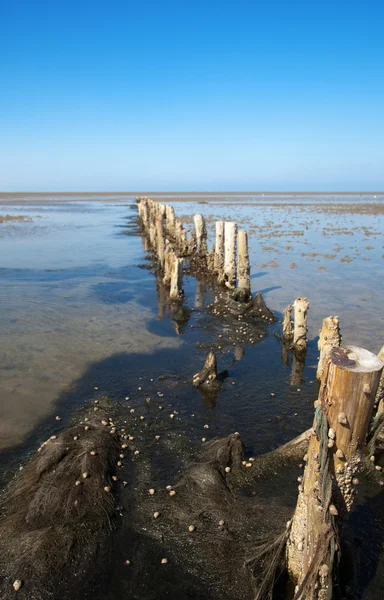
x: 203, y: 193
x: 27, y: 197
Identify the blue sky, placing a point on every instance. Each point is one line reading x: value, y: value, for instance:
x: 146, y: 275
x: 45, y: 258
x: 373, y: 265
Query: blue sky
x: 209, y: 95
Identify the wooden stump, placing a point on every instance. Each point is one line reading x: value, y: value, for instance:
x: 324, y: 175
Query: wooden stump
x: 326, y: 492
x: 300, y: 308
x: 208, y: 373
x: 230, y: 229
x: 329, y: 338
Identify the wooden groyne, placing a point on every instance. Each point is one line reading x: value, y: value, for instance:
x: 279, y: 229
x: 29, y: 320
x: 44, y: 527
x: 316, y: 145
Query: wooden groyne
x: 226, y: 263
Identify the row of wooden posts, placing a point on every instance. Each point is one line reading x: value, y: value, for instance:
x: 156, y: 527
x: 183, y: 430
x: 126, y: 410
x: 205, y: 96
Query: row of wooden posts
x: 227, y: 260
x: 349, y: 381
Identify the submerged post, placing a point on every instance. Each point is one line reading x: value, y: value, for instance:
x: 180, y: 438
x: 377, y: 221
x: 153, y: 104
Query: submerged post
x: 300, y: 308
x: 230, y: 229
x: 243, y: 291
x: 327, y: 488
x: 329, y: 338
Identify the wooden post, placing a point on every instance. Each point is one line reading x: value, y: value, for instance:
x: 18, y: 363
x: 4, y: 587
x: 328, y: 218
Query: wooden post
x: 327, y: 488
x: 243, y: 291
x: 287, y: 324
x: 219, y: 252
x: 300, y: 307
x: 160, y: 241
x: 177, y: 279
x: 170, y: 219
x: 169, y: 258
x: 230, y: 229
x: 201, y: 234
x: 329, y: 338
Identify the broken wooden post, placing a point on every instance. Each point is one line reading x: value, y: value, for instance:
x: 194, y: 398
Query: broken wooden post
x: 201, y: 234
x: 329, y: 338
x: 219, y: 252
x: 208, y: 373
x: 176, y: 279
x: 287, y: 324
x: 327, y: 488
x: 243, y: 291
x: 300, y: 308
x: 230, y: 229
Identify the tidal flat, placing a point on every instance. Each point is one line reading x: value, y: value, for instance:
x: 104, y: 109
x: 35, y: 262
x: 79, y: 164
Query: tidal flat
x: 83, y: 315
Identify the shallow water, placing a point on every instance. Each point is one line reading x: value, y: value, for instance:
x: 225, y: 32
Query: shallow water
x: 80, y: 316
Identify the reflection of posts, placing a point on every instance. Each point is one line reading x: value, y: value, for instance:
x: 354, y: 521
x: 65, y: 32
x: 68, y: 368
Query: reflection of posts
x: 200, y: 292
x: 329, y: 338
x: 298, y: 364
x: 161, y: 298
x: 300, y: 307
x: 230, y: 229
x: 327, y: 489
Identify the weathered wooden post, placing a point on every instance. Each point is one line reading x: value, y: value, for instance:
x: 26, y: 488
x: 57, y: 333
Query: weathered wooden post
x: 170, y: 220
x: 160, y: 241
x: 219, y: 252
x: 201, y: 234
x: 169, y: 258
x: 230, y: 229
x: 243, y: 291
x: 329, y: 338
x: 287, y: 324
x: 327, y: 489
x: 176, y: 279
x: 300, y: 308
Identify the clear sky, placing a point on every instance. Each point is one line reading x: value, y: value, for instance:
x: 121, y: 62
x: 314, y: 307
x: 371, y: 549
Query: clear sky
x: 191, y: 95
